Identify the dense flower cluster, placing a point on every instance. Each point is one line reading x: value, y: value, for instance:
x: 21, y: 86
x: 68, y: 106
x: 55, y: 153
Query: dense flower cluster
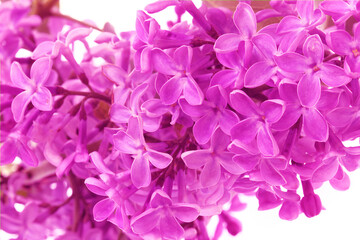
x: 152, y: 132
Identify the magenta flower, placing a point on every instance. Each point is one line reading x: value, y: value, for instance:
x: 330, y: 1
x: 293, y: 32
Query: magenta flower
x: 340, y: 11
x: 164, y: 217
x: 132, y: 142
x: 212, y: 160
x: 313, y: 70
x: 314, y: 124
x: 182, y: 81
x: 257, y: 123
x: 342, y: 43
x: 34, y: 90
x: 210, y: 114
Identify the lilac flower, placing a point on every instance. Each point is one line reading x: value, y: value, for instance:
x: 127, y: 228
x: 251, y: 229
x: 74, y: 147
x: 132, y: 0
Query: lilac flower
x: 164, y: 215
x: 212, y: 159
x: 182, y: 81
x: 343, y: 44
x: 314, y: 124
x: 258, y: 122
x: 34, y: 90
x: 133, y: 142
x: 210, y: 114
x: 341, y: 11
x: 313, y: 69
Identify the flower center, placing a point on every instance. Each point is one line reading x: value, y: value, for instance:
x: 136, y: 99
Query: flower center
x: 356, y: 52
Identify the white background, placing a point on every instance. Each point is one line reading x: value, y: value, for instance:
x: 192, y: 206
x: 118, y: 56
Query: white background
x: 340, y: 220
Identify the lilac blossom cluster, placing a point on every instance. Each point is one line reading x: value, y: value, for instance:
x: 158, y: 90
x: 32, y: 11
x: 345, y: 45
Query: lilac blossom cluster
x: 155, y: 131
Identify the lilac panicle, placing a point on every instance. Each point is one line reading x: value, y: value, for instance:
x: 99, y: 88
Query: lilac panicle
x: 155, y: 131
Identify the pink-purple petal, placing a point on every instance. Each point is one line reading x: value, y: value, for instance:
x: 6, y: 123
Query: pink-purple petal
x: 227, y: 43
x: 103, y: 209
x: 210, y: 175
x: 292, y: 62
x: 266, y: 142
x: 158, y: 159
x: 18, y: 77
x: 333, y: 76
x: 197, y: 158
x: 204, y: 127
x: 315, y: 125
x: 42, y: 99
x: 140, y: 172
x: 270, y: 174
x: 243, y: 104
x: 146, y: 221
x: 19, y: 105
x: 309, y: 90
x: 245, y: 20
x: 259, y: 74
x: 171, y: 90
x: 40, y: 70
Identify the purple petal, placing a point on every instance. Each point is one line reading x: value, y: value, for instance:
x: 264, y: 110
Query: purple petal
x: 170, y: 228
x: 309, y: 90
x: 339, y: 41
x: 341, y: 117
x: 196, y: 159
x: 195, y: 111
x: 204, y: 128
x: 114, y: 73
x: 305, y: 10
x: 289, y: 24
x: 19, y: 78
x: 226, y: 161
x: 99, y: 163
x: 327, y: 171
x: 259, y: 74
x: 292, y: 62
x: 210, y: 175
x: 43, y: 49
x: 289, y: 118
x: 265, y: 44
x: 267, y: 200
x: 124, y: 143
x: 183, y: 57
x: 40, y: 70
x: 171, y: 90
x: 270, y: 174
x: 227, y: 43
x: 42, y: 99
x: 103, y: 209
x: 140, y: 172
x: 315, y: 125
x: 154, y: 108
x: 243, y: 104
x: 119, y: 113
x: 245, y: 131
x: 311, y: 205
x: 192, y: 92
x: 65, y: 165
x: 19, y: 105
x: 226, y: 78
x: 266, y: 142
x: 314, y: 49
x: 146, y: 221
x: 228, y: 120
x: 219, y: 141
x: 247, y: 162
x: 273, y: 110
x: 158, y: 159
x: 96, y: 186
x: 185, y: 212
x: 333, y: 76
x: 217, y: 95
x: 163, y: 63
x: 340, y: 181
x: 77, y: 34
x: 245, y: 20
x: 289, y: 210
x: 288, y: 91
x: 159, y: 6
x: 160, y: 198
x: 8, y: 152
